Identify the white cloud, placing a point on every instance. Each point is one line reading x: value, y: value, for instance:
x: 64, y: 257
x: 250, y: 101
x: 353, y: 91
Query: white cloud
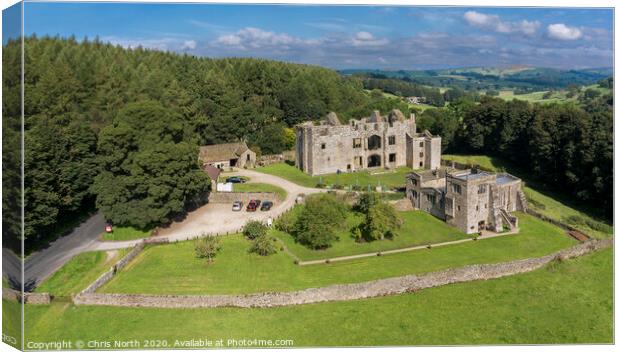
x: 189, y: 45
x: 251, y: 37
x: 367, y: 39
x: 495, y: 23
x: 563, y: 32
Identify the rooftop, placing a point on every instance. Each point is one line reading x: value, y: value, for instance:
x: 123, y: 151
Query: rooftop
x: 221, y: 152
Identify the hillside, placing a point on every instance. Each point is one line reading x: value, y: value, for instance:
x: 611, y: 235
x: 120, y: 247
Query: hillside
x: 482, y: 78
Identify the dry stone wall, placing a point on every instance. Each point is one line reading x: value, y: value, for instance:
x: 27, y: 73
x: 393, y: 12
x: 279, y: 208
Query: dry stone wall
x: 383, y: 287
x: 29, y: 297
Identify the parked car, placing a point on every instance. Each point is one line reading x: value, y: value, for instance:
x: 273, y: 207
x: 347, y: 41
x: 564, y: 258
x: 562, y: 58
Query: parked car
x: 108, y: 228
x: 235, y: 179
x: 237, y: 205
x: 257, y: 202
x: 251, y: 206
x: 266, y: 205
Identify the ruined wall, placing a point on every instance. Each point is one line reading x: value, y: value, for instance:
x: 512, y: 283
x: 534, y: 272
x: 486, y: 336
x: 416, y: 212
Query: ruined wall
x: 29, y: 297
x: 376, y: 288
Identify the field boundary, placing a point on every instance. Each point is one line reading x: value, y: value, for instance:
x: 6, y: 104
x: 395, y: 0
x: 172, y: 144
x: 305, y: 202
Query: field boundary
x: 405, y: 249
x: 343, y: 292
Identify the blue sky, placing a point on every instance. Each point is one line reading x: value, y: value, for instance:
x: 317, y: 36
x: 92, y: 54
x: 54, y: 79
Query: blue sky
x: 344, y: 36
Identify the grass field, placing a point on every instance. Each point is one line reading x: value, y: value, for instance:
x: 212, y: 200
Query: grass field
x: 259, y: 187
x: 547, y: 202
x: 418, y: 228
x: 125, y: 234
x: 537, y: 97
x: 364, y: 179
x: 174, y: 269
x: 79, y: 272
x: 570, y: 302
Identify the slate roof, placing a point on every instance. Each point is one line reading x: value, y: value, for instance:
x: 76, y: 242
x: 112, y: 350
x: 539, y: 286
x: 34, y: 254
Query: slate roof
x: 212, y: 171
x: 222, y: 152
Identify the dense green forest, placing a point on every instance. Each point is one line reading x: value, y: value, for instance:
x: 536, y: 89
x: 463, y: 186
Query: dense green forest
x: 119, y: 128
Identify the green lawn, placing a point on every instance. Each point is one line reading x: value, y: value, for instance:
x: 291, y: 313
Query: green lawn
x: 364, y: 179
x: 79, y: 272
x: 537, y: 97
x: 11, y: 323
x: 570, y: 302
x: 174, y: 269
x: 259, y: 187
x: 418, y: 228
x: 543, y: 200
x: 125, y: 234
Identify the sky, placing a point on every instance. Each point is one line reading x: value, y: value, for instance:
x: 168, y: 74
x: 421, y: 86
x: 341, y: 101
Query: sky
x: 395, y: 37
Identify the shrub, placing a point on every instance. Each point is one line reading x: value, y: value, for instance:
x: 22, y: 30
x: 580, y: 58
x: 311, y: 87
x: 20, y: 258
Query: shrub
x: 320, y: 185
x: 575, y: 220
x: 263, y: 245
x: 338, y: 186
x: 320, y: 217
x: 286, y: 222
x: 366, y: 201
x: 357, y: 234
x: 381, y: 221
x: 254, y: 229
x: 207, y: 247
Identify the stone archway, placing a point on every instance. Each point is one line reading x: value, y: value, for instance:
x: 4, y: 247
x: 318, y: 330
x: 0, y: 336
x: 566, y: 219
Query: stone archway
x: 374, y: 142
x: 374, y: 160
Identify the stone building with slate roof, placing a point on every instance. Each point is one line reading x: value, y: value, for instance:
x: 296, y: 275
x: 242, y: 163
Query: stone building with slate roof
x: 227, y: 155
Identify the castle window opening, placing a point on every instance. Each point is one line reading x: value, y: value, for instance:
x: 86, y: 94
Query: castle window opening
x: 374, y: 142
x: 392, y: 157
x: 392, y: 140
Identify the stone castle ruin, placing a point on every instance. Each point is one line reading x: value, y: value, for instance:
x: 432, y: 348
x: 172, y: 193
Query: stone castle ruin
x: 375, y: 142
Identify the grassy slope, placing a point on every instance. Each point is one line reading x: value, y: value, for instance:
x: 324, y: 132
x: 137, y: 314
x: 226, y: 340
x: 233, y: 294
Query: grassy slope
x: 418, y: 228
x: 363, y: 178
x: 79, y: 272
x: 125, y: 234
x: 259, y: 187
x: 174, y: 269
x: 568, y: 303
x: 551, y: 204
x: 11, y: 322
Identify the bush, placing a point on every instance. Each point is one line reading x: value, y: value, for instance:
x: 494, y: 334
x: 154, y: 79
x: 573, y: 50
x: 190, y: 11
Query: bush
x: 320, y: 185
x: 286, y: 222
x: 337, y: 186
x: 263, y: 245
x: 254, y: 229
x: 320, y: 217
x: 381, y: 222
x: 366, y: 201
x: 207, y: 247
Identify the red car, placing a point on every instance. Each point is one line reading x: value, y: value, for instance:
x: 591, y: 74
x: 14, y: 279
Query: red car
x: 252, y: 206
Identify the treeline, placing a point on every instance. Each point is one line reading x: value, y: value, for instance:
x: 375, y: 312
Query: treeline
x: 85, y: 144
x: 405, y: 88
x: 568, y: 146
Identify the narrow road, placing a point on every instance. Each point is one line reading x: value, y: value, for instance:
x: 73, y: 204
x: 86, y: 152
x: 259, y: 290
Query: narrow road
x: 42, y: 264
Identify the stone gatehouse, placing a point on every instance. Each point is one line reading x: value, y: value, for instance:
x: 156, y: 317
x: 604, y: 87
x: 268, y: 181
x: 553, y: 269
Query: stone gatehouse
x: 469, y: 200
x: 373, y: 142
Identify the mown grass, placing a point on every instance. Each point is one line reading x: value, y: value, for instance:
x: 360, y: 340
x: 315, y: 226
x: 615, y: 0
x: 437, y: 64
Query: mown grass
x: 571, y: 302
x: 125, y: 234
x: 79, y: 272
x: 259, y: 187
x: 364, y: 179
x: 547, y: 202
x: 174, y: 268
x: 418, y: 228
x: 11, y: 323
x: 537, y: 97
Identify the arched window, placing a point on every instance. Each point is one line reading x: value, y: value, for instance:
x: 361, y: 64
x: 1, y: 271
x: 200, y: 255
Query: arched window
x: 374, y: 142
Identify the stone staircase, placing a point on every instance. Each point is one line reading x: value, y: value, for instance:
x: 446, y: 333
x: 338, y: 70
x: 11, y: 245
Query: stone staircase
x: 521, y: 201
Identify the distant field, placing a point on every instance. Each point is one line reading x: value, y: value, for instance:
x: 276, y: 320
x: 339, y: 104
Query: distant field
x: 386, y: 178
x: 536, y: 97
x: 418, y: 228
x: 174, y: 268
x: 568, y: 302
x: 549, y: 203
